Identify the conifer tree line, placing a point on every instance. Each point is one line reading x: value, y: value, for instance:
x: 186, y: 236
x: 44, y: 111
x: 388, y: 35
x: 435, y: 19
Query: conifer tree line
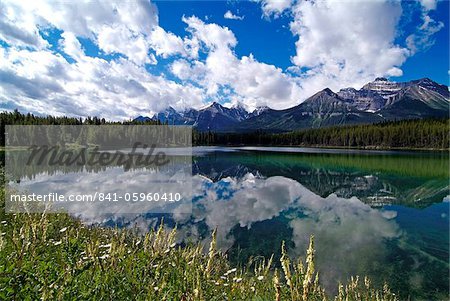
x: 416, y: 133
x: 17, y: 118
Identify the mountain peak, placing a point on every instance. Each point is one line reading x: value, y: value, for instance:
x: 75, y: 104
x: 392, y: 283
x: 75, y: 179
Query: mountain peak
x: 327, y: 91
x: 215, y: 104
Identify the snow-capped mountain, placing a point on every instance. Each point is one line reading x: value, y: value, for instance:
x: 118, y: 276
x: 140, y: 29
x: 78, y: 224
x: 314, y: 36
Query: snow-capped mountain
x: 211, y: 117
x: 376, y: 101
x: 259, y: 110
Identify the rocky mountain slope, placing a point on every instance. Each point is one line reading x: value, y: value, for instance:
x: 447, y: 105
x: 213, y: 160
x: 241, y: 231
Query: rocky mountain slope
x: 376, y: 101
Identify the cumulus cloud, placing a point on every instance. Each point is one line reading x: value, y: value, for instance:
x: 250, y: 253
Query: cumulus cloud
x: 46, y: 83
x: 247, y: 80
x: 36, y: 79
x: 231, y: 16
x: 344, y: 43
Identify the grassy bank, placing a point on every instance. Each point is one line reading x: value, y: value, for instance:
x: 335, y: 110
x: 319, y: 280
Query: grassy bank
x: 56, y: 257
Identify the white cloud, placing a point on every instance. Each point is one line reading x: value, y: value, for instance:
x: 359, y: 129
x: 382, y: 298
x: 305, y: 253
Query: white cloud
x: 428, y: 4
x: 247, y: 80
x: 213, y: 36
x: 231, y: 16
x: 422, y: 39
x: 46, y: 83
x: 38, y: 80
x: 117, y: 27
x: 344, y: 43
x: 275, y: 7
x: 71, y: 46
x: 166, y: 43
x: 17, y: 27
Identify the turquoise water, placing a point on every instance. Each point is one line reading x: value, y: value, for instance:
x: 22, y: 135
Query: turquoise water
x: 381, y: 214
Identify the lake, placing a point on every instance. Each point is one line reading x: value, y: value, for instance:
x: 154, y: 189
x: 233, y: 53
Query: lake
x: 384, y: 214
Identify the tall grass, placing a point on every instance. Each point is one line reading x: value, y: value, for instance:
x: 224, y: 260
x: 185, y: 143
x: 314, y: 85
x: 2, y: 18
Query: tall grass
x: 56, y: 257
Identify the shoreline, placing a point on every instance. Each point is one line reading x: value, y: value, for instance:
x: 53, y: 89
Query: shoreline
x: 330, y: 147
x: 327, y: 147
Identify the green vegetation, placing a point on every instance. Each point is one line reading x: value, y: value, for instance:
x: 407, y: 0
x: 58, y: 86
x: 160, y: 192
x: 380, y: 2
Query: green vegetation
x: 412, y: 134
x: 56, y: 257
x: 426, y: 134
x: 17, y: 118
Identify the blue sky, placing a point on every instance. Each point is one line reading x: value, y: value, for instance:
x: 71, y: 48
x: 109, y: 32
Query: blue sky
x: 122, y: 59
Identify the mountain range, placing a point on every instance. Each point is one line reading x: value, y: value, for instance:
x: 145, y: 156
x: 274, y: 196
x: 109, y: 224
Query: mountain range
x: 377, y: 101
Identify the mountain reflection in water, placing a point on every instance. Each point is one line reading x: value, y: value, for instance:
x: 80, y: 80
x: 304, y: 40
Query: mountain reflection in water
x: 383, y: 215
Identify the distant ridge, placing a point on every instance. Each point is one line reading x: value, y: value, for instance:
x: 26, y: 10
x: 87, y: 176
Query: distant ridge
x: 377, y: 101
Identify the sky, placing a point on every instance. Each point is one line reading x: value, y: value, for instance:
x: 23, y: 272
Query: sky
x: 122, y: 59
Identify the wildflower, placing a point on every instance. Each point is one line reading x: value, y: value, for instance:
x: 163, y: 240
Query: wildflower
x: 104, y: 256
x: 252, y: 289
x: 138, y: 242
x: 238, y: 280
x: 156, y: 288
x: 166, y: 251
x: 223, y: 277
x: 105, y: 246
x: 225, y: 284
x: 3, y: 222
x: 155, y: 266
x: 173, y: 245
x: 260, y: 278
x: 63, y: 230
x: 230, y: 271
x: 216, y: 283
x: 57, y: 243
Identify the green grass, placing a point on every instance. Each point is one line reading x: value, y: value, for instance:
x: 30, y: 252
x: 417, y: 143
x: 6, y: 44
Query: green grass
x: 56, y: 257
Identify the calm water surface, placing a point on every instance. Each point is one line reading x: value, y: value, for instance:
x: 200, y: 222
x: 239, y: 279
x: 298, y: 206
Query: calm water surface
x: 382, y: 214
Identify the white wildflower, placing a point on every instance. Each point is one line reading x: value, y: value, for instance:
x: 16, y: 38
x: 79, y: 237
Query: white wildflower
x: 238, y: 280
x: 104, y: 256
x: 57, y: 243
x: 63, y: 230
x: 260, y: 278
x: 230, y: 271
